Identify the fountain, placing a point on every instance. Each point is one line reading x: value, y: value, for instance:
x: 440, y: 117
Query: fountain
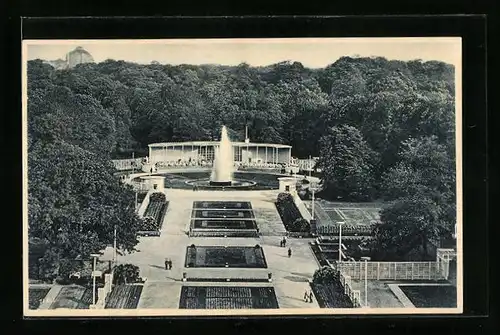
x: 222, y: 171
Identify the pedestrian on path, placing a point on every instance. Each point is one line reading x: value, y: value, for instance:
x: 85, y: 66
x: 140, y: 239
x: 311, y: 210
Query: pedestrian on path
x: 166, y: 263
x: 310, y: 296
x: 306, y: 296
x: 289, y: 252
x: 170, y: 264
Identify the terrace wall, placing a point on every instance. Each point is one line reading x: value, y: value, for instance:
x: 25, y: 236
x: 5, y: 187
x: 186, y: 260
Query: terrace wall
x: 145, y: 203
x: 302, y: 207
x: 393, y: 270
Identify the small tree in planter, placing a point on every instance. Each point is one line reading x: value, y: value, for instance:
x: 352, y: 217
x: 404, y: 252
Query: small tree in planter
x: 325, y: 275
x: 126, y: 274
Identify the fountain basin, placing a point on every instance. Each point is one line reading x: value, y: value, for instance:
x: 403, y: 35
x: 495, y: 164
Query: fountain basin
x: 220, y: 183
x: 217, y: 185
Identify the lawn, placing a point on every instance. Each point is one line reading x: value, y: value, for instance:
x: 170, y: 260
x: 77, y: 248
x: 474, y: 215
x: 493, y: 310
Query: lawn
x: 265, y: 181
x: 234, y: 257
x: 334, y: 215
x: 36, y: 295
x: 353, y: 214
x: 443, y: 296
x: 74, y: 297
x: 198, y: 297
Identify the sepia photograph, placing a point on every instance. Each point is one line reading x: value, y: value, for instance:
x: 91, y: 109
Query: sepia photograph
x: 273, y: 176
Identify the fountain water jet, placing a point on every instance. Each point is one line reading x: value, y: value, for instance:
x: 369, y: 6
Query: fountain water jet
x: 222, y: 171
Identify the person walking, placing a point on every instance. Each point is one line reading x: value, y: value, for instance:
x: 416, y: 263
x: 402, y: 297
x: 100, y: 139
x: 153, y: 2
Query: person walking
x: 289, y: 252
x: 310, y: 296
x: 170, y: 264
x: 306, y: 296
x: 166, y: 263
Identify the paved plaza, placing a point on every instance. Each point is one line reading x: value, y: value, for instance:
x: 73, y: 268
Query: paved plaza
x: 162, y: 289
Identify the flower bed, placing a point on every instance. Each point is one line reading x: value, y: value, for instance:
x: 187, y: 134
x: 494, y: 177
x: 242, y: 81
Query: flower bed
x: 222, y: 205
x: 198, y: 297
x: 153, y: 215
x: 289, y: 213
x: 124, y: 297
x: 234, y: 257
x: 36, y: 295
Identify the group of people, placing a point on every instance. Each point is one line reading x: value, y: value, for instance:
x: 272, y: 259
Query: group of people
x: 308, y: 296
x: 168, y: 264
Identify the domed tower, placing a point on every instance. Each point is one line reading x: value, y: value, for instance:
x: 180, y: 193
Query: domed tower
x: 78, y: 56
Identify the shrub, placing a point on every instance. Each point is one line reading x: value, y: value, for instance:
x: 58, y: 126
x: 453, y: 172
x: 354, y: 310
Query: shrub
x: 300, y: 225
x: 325, y: 275
x: 126, y: 273
x: 158, y: 196
x: 284, y: 198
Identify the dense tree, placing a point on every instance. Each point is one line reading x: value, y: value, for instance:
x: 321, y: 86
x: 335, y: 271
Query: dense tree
x: 409, y: 227
x: 347, y: 163
x: 74, y: 203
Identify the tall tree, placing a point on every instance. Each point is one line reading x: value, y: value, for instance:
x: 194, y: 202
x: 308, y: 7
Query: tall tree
x: 347, y: 164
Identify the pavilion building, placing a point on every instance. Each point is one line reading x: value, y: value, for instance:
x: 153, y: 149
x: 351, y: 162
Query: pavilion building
x: 197, y: 151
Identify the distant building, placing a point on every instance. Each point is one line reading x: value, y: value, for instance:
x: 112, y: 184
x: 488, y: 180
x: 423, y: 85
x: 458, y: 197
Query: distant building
x: 78, y: 56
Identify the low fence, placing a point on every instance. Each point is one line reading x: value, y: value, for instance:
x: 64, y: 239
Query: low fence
x: 145, y: 203
x: 128, y: 164
x: 392, y: 270
x: 334, y: 229
x: 354, y: 295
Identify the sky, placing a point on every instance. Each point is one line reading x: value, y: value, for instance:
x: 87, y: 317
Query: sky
x: 311, y: 52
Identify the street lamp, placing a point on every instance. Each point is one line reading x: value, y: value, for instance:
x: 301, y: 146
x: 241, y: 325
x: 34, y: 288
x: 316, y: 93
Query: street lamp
x: 366, y: 259
x: 95, y: 256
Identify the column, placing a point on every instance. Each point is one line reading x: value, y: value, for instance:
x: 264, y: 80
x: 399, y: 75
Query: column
x: 266, y: 155
x: 257, y: 153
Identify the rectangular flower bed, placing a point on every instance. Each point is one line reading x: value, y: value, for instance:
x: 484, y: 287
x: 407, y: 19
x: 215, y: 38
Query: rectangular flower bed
x: 217, y: 257
x: 124, y: 296
x: 222, y: 205
x: 153, y: 216
x: 223, y: 224
x: 198, y: 297
x: 222, y: 214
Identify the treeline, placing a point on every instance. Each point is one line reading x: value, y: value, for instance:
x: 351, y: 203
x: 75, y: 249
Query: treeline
x: 382, y: 129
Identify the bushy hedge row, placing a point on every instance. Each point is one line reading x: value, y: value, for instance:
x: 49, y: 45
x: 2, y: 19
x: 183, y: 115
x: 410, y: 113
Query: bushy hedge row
x: 290, y: 214
x: 328, y: 289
